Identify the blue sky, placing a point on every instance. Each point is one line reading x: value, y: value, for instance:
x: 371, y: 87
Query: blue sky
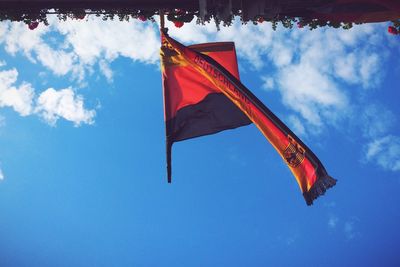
x: 82, y: 159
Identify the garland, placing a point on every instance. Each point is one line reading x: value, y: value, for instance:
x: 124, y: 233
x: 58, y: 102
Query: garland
x: 178, y: 16
x: 395, y: 27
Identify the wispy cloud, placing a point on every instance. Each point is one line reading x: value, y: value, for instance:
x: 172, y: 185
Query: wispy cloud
x: 333, y: 221
x: 345, y: 227
x: 288, y: 240
x: 268, y: 83
x: 350, y: 229
x: 2, y: 121
x: 297, y: 125
x: 385, y: 152
x: 376, y: 120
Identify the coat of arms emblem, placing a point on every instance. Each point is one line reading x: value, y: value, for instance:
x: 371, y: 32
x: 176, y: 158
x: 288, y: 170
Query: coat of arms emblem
x: 294, y: 154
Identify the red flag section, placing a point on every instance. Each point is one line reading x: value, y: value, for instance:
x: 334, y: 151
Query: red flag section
x: 203, y: 95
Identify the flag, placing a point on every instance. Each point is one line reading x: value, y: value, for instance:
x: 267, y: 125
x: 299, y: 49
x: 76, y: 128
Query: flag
x: 193, y: 105
x: 203, y: 95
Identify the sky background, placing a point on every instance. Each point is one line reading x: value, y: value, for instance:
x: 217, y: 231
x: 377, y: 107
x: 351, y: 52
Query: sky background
x: 82, y: 152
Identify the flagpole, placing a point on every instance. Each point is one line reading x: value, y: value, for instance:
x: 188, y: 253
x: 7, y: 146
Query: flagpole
x: 162, y: 20
x: 168, y: 140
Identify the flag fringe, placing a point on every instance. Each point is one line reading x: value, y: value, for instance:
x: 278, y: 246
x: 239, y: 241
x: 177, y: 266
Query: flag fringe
x: 319, y: 188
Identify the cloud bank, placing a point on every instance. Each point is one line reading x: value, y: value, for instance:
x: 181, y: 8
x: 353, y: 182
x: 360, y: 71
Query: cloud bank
x: 321, y: 76
x: 77, y: 47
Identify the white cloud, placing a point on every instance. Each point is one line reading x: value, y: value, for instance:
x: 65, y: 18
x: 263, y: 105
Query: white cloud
x: 345, y: 68
x: 19, y: 98
x: 382, y: 148
x: 252, y: 42
x: 333, y: 221
x: 350, y: 229
x: 325, y: 60
x: 385, y: 152
x: 281, y: 53
x: 1, y: 175
x: 369, y: 69
x: 359, y: 67
x: 311, y: 93
x: 19, y: 39
x: 52, y: 105
x: 268, y: 83
x: 2, y: 121
x: 376, y: 121
x: 79, y: 45
x: 106, y: 70
x: 96, y: 39
x: 60, y: 62
x: 297, y: 125
x: 288, y: 240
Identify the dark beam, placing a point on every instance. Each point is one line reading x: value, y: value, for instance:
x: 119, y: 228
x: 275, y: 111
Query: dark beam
x: 97, y: 4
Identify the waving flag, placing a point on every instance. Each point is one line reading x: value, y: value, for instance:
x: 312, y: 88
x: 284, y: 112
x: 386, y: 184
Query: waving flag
x: 203, y: 95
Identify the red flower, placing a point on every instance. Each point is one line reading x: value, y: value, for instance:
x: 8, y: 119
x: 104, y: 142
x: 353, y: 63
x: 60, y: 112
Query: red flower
x: 80, y: 16
x: 393, y: 30
x: 178, y: 23
x: 299, y: 25
x: 142, y: 18
x: 261, y: 20
x: 33, y: 25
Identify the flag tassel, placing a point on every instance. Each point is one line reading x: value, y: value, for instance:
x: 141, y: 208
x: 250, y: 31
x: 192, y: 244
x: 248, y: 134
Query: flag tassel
x: 319, y: 188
